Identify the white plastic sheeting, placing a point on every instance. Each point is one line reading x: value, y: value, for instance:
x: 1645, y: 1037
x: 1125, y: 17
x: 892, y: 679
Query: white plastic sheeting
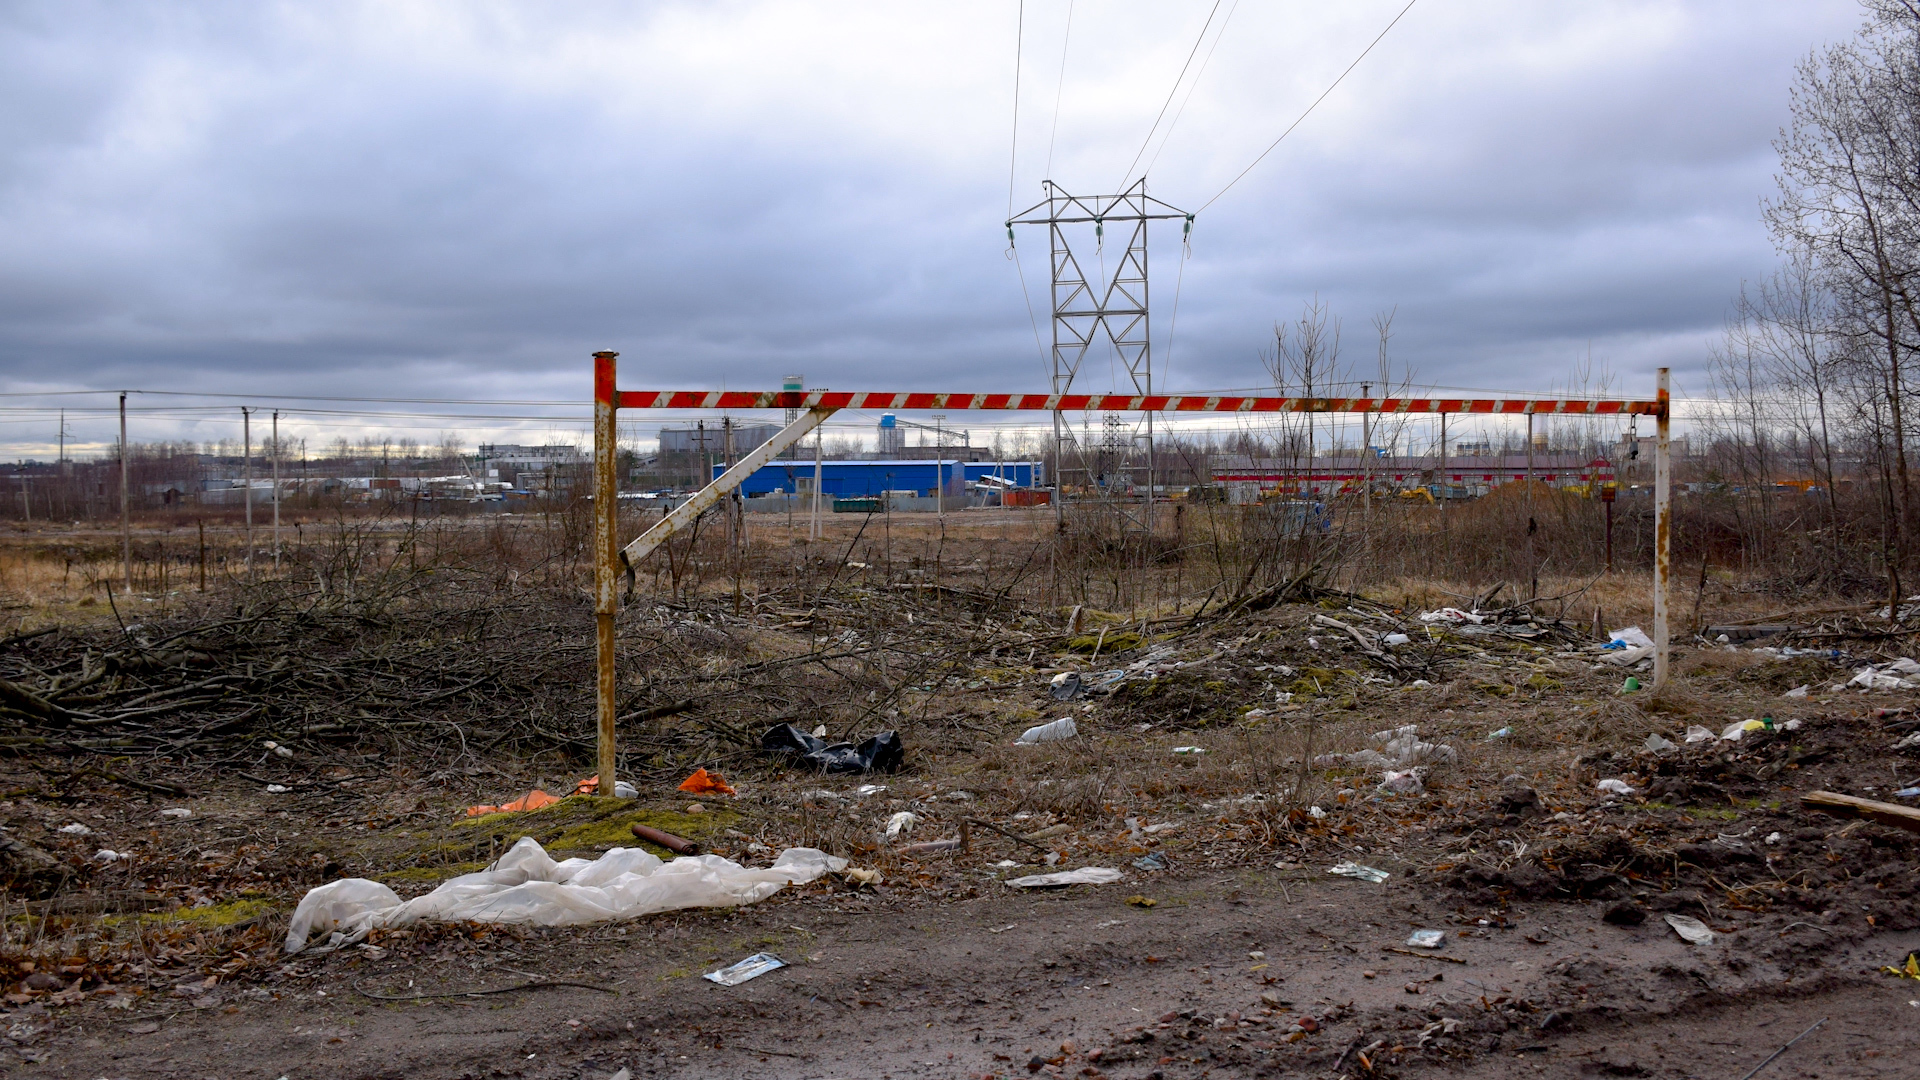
x: 527, y: 886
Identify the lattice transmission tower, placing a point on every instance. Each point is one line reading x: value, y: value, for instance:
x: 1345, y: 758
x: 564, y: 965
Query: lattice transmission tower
x: 1112, y: 305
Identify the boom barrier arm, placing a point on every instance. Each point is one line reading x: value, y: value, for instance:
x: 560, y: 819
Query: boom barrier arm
x: 610, y: 559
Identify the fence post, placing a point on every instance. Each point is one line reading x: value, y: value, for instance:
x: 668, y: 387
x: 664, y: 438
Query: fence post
x: 1662, y: 529
x: 606, y: 550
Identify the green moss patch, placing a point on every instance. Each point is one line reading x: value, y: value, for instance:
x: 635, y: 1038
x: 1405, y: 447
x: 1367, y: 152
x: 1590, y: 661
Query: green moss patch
x: 214, y: 916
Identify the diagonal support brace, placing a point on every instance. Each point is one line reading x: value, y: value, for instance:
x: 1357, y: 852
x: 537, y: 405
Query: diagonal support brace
x: 683, y: 516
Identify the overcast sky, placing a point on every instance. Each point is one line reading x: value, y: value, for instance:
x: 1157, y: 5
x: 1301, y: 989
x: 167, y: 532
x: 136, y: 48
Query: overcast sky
x: 464, y: 200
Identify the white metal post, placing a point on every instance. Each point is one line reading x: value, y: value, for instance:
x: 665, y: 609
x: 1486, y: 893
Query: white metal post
x: 126, y: 512
x: 246, y: 478
x: 276, y: 491
x: 819, y: 458
x: 1662, y: 529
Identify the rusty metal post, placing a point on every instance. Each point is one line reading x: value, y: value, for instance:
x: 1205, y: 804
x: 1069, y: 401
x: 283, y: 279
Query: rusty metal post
x: 606, y: 553
x: 1662, y: 528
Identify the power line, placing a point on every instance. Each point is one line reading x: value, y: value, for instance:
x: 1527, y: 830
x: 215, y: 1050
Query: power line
x: 1310, y: 108
x: 1191, y: 87
x: 1013, y: 144
x: 1060, y: 88
x: 1174, y: 89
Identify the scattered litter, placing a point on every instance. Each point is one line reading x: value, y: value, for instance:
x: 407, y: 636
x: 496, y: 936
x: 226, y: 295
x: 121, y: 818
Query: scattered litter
x: 1657, y: 743
x: 901, y: 824
x: 1901, y: 674
x: 1189, y: 749
x: 1630, y: 685
x: 1316, y: 813
x: 1631, y: 638
x: 1910, y: 740
x: 860, y: 876
x: 1403, y: 783
x: 1152, y: 861
x: 1908, y: 970
x: 1397, y: 748
x: 1065, y: 686
x: 1799, y: 691
x: 1359, y: 873
x: 1907, y: 793
x: 1057, y: 731
x: 278, y: 789
x: 1615, y: 787
x: 1086, y: 875
x: 176, y: 812
x: 703, y: 782
x: 624, y: 790
x: 865, y: 790
x: 110, y: 855
x: 1139, y: 901
x: 881, y: 753
x: 679, y: 845
x: 1160, y: 827
x: 1503, y: 733
x: 532, y: 800
x: 76, y: 829
x: 1396, y: 639
x: 751, y: 968
x: 1452, y: 615
x: 283, y: 751
x: 1696, y: 733
x: 1427, y: 939
x: 1627, y: 657
x: 1690, y: 929
x: 1739, y: 728
x: 527, y: 886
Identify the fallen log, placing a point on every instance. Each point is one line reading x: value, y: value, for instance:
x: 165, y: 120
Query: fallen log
x: 1848, y: 806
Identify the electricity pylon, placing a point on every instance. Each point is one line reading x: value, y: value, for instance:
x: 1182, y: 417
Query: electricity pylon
x: 1114, y: 307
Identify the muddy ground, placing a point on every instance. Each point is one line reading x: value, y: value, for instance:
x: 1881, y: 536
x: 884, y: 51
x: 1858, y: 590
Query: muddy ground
x: 1244, y: 956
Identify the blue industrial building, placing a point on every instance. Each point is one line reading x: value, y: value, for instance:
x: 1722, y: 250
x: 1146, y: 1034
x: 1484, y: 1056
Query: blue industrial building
x: 858, y: 478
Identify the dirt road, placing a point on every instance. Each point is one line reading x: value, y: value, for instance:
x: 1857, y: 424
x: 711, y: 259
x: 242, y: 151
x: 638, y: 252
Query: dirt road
x: 1218, y: 978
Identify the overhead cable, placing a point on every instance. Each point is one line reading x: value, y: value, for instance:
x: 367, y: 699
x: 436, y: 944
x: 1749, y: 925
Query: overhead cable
x: 1310, y: 108
x: 1171, y: 91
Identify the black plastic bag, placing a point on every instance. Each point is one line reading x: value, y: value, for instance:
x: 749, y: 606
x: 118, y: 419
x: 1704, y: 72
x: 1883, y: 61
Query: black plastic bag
x: 882, y: 753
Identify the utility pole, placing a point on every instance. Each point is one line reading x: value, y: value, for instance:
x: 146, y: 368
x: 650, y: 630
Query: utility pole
x: 1116, y: 306
x: 819, y: 458
x: 246, y: 478
x: 276, y: 491
x: 126, y: 510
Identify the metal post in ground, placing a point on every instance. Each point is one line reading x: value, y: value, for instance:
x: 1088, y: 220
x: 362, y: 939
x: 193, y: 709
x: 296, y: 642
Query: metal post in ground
x: 126, y: 512
x: 246, y: 478
x: 1662, y: 528
x: 276, y: 491
x: 819, y: 460
x: 606, y: 554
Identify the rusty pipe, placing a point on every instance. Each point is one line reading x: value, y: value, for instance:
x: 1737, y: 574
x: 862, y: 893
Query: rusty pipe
x: 679, y: 845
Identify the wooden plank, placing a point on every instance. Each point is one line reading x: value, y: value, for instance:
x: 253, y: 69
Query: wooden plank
x: 1847, y: 806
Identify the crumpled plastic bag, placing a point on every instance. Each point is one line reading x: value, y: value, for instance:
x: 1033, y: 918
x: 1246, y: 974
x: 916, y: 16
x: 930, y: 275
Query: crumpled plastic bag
x: 881, y: 753
x: 1452, y: 615
x: 1634, y: 637
x: 532, y: 800
x: 703, y: 782
x: 1397, y: 748
x: 527, y: 886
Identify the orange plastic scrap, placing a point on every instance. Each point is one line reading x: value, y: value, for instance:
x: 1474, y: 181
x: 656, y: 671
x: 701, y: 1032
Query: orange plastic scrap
x: 588, y: 786
x: 703, y: 782
x: 532, y: 800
